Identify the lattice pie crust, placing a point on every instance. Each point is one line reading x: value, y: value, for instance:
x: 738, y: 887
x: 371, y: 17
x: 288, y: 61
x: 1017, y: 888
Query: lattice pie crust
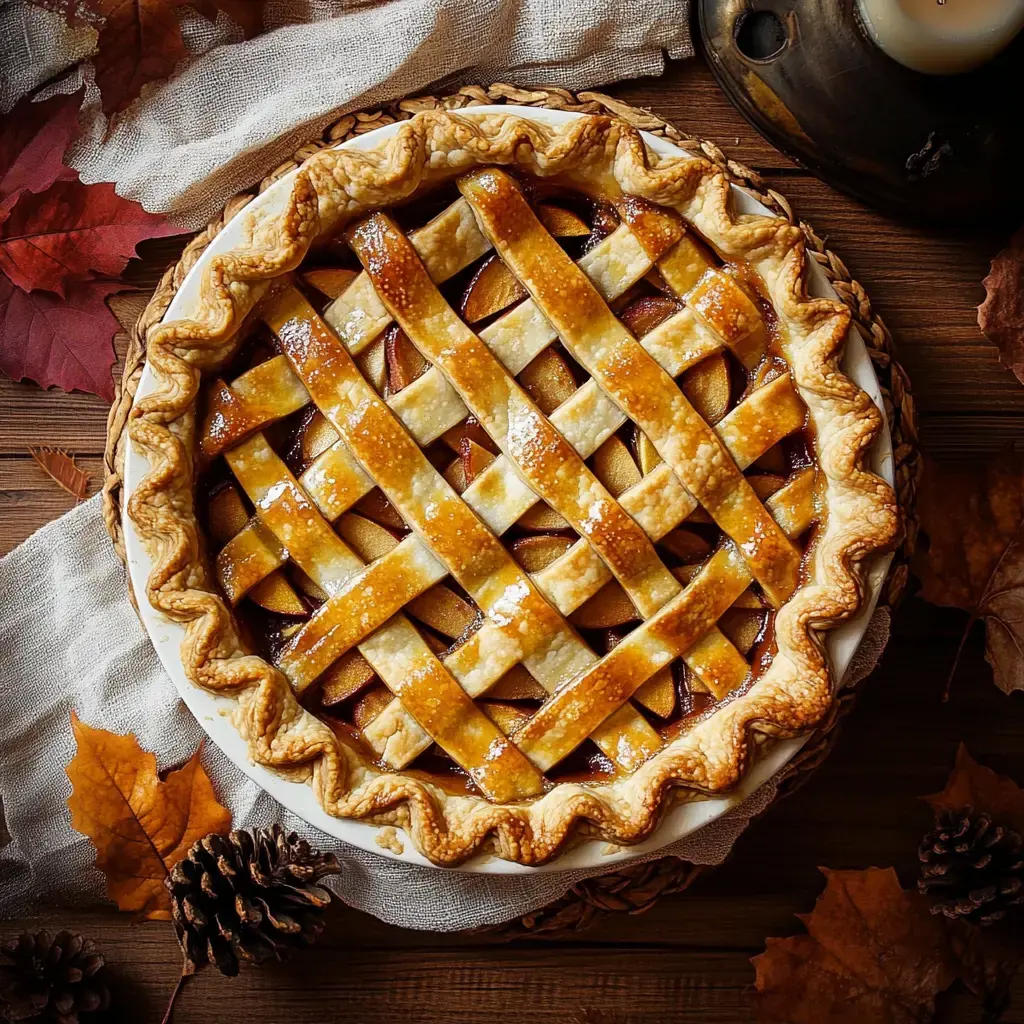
x: 607, y: 531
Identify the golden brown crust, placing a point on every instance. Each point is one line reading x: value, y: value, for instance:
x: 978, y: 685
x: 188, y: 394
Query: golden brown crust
x: 599, y: 154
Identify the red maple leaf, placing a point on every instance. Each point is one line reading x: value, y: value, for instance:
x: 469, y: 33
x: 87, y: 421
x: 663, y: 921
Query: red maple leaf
x: 67, y: 342
x: 71, y: 232
x: 140, y: 41
x: 33, y: 138
x: 246, y: 14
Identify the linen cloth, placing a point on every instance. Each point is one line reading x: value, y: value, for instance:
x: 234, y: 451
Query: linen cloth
x: 70, y: 639
x: 239, y: 108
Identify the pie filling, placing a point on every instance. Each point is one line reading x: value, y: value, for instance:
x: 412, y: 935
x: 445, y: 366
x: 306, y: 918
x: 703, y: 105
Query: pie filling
x: 456, y: 585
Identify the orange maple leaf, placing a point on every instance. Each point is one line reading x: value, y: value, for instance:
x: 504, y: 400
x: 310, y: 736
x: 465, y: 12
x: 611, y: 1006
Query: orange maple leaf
x: 141, y: 41
x: 872, y: 952
x: 141, y: 826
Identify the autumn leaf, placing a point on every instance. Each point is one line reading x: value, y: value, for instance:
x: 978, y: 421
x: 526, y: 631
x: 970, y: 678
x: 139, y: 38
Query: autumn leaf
x: 141, y: 826
x: 141, y: 41
x: 246, y: 14
x: 973, y: 785
x: 1001, y: 315
x: 60, y: 467
x: 64, y: 342
x: 72, y: 232
x: 972, y: 515
x: 33, y: 138
x: 872, y: 952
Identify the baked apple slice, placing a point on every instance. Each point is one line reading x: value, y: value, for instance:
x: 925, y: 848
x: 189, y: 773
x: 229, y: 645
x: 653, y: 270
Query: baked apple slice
x: 369, y: 540
x: 642, y: 315
x: 707, y: 387
x: 562, y: 223
x: 542, y: 518
x: 608, y: 608
x: 329, y: 281
x: 614, y: 466
x: 276, y: 594
x: 370, y: 704
x: 317, y: 437
x: 405, y: 362
x: 548, y: 380
x: 227, y: 514
x: 517, y: 684
x: 345, y: 678
x: 442, y: 609
x: 492, y: 288
x: 658, y: 694
x: 537, y: 553
x: 689, y: 547
x: 377, y: 507
x: 742, y: 626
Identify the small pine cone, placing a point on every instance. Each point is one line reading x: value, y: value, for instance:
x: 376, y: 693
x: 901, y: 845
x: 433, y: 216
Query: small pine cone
x: 58, y: 980
x: 971, y: 867
x: 248, y: 896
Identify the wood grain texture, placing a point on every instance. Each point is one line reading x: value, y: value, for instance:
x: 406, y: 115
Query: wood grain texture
x: 689, y: 97
x: 687, y: 959
x: 29, y: 498
x: 926, y: 287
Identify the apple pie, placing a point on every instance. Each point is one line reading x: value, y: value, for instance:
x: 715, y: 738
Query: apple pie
x: 508, y: 479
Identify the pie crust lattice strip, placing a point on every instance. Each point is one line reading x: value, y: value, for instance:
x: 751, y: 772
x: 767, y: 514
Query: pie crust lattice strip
x: 789, y: 548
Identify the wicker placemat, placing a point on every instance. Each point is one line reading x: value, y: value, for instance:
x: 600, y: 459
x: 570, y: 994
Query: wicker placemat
x: 631, y: 889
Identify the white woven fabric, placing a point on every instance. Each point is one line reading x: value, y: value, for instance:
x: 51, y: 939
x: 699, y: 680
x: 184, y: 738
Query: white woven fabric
x: 237, y: 109
x: 70, y: 639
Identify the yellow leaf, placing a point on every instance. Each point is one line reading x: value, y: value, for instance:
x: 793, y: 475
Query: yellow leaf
x: 141, y: 827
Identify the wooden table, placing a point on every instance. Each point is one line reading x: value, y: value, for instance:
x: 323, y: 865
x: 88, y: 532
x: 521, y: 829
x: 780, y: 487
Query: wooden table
x: 686, y: 959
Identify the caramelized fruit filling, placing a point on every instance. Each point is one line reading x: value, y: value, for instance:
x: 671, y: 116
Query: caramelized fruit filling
x: 348, y: 694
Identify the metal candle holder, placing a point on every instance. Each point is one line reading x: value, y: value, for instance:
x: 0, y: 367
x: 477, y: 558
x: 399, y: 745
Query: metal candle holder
x: 808, y: 77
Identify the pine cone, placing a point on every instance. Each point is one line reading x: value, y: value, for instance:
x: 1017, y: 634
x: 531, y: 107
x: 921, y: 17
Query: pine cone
x: 51, y: 979
x: 247, y: 896
x: 971, y: 867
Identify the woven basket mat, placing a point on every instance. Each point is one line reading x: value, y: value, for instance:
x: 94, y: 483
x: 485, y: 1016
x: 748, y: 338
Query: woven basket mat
x: 631, y: 889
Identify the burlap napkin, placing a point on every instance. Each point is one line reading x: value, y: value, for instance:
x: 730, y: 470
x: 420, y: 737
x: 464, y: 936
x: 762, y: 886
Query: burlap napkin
x: 240, y: 108
x: 70, y: 639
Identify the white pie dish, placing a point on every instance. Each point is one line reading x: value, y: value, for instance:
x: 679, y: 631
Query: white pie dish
x: 209, y: 709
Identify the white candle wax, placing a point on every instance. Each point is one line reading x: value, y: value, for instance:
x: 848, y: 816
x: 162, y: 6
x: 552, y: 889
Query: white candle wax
x: 942, y: 38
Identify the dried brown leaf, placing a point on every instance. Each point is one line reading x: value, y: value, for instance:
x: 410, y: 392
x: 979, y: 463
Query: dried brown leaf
x: 141, y: 826
x: 61, y: 468
x: 872, y: 952
x: 988, y: 958
x: 1001, y: 315
x: 973, y: 516
x: 973, y: 785
x: 141, y: 41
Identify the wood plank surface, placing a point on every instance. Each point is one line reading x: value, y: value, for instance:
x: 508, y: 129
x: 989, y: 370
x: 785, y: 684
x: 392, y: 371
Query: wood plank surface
x: 688, y: 96
x: 687, y: 959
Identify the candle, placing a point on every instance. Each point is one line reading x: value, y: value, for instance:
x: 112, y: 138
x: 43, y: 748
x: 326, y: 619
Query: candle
x: 942, y: 37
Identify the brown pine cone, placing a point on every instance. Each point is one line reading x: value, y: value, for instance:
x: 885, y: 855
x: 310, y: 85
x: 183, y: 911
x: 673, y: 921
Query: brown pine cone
x: 56, y: 980
x: 247, y: 896
x: 971, y: 867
